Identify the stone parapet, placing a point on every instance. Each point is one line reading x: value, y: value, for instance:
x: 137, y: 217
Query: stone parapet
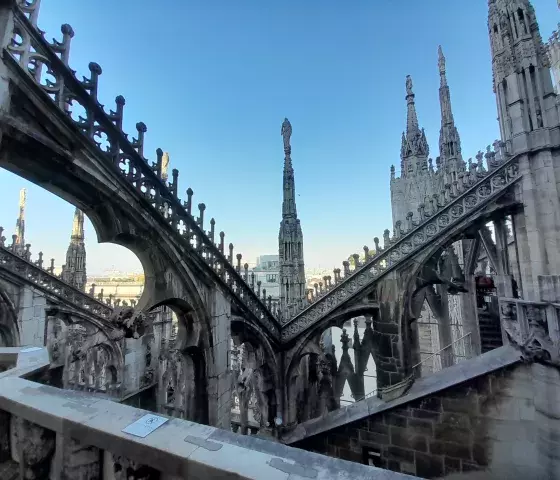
x: 55, y: 418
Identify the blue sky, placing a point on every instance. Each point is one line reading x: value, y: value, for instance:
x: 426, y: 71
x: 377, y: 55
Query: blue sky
x: 213, y: 80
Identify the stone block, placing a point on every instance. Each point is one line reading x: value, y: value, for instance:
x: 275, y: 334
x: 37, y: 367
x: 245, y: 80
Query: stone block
x: 425, y: 414
x: 451, y: 465
x: 421, y: 427
x: 451, y: 449
x: 400, y: 454
x: 461, y: 405
x: 375, y: 425
x: 373, y: 437
x: 430, y: 403
x: 456, y: 419
x: 450, y: 433
x: 396, y: 420
x: 429, y: 466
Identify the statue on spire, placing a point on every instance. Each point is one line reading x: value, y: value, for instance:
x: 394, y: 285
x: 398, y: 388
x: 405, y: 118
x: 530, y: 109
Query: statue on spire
x: 286, y: 132
x: 409, y: 85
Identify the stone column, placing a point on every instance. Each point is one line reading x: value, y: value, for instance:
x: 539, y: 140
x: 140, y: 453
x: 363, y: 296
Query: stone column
x: 393, y: 343
x: 35, y: 447
x: 74, y: 461
x: 219, y: 375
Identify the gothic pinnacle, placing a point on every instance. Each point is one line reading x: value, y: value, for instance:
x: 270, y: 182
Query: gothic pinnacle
x: 441, y: 65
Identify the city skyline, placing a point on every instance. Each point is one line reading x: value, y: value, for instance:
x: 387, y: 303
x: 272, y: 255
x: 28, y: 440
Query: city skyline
x: 332, y: 98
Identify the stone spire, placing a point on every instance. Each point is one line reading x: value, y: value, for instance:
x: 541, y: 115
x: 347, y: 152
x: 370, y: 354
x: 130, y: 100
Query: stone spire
x: 449, y: 140
x: 290, y: 237
x: 525, y: 97
x: 414, y: 147
x: 74, y: 271
x: 20, y: 223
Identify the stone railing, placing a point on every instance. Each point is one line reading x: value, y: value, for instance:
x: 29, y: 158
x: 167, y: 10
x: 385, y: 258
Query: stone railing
x: 46, y: 64
x: 45, y: 430
x: 533, y: 327
x: 479, y: 188
x: 46, y: 280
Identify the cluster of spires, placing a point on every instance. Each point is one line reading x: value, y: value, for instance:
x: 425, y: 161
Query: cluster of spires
x: 106, y: 130
x: 486, y: 163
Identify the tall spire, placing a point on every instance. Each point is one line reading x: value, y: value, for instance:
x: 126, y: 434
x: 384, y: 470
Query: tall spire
x: 290, y: 237
x: 449, y: 140
x: 20, y: 223
x: 414, y: 148
x: 74, y: 271
x: 524, y: 93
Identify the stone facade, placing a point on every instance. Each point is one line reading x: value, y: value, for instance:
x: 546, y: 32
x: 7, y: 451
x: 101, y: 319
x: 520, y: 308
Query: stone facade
x: 485, y: 425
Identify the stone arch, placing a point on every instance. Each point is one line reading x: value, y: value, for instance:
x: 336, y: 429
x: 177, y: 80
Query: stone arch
x: 9, y: 329
x: 243, y: 331
x: 94, y: 327
x: 188, y: 361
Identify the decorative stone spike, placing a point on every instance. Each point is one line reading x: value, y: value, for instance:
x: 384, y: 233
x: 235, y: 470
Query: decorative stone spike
x: 188, y: 205
x: 253, y: 280
x: 100, y: 295
x: 269, y: 303
x: 174, y: 181
x: 326, y: 282
x: 212, y: 229
x: 221, y: 247
x: 345, y: 340
x: 230, y: 256
x: 246, y: 272
x: 63, y: 48
x: 159, y: 162
x: 346, y: 266
x: 386, y: 239
x: 14, y: 241
x: 117, y: 116
x: 356, y: 258
x: 455, y: 188
x: 138, y: 143
x: 239, y: 257
x: 39, y: 262
x: 392, y: 172
x: 27, y: 252
x: 366, y: 253
x: 316, y: 289
x: 409, y: 224
x: 329, y: 278
x: 92, y: 289
x: 51, y: 268
x: 259, y: 288
x: 2, y: 238
x: 200, y: 221
x: 356, y: 343
x: 421, y: 212
x: 110, y: 299
x: 376, y: 242
x: 398, y: 229
x: 320, y: 287
x: 264, y: 294
x: 92, y: 83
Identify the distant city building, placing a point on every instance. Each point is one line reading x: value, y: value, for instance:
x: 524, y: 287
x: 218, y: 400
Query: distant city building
x: 126, y: 287
x: 267, y: 271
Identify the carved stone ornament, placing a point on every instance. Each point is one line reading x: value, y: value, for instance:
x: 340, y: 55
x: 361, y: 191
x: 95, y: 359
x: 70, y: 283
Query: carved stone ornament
x: 528, y: 332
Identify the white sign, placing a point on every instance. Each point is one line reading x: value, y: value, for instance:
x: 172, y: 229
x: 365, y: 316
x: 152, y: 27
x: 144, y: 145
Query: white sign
x: 145, y: 425
x: 30, y: 349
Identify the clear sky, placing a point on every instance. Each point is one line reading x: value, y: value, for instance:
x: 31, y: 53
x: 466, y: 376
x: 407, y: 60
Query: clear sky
x: 213, y: 80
